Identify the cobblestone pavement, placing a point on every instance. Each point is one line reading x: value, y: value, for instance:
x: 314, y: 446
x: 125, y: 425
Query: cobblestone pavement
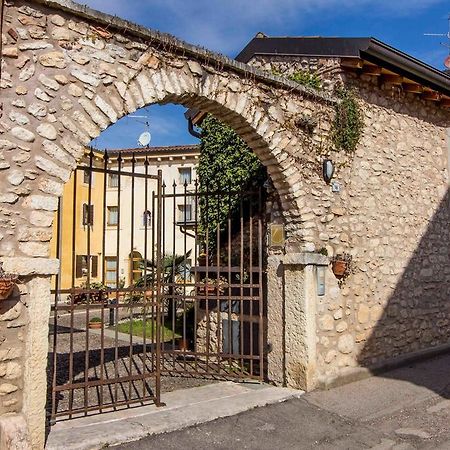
x: 404, y: 409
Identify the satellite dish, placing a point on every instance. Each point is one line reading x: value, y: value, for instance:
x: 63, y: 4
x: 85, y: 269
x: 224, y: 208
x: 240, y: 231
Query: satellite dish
x: 144, y: 139
x: 447, y: 62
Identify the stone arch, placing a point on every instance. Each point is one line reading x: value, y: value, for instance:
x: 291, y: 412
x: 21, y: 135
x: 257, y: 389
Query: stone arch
x: 80, y: 80
x: 67, y: 74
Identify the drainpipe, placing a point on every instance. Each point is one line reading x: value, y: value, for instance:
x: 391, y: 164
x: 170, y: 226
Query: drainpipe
x: 197, y: 135
x: 191, y: 130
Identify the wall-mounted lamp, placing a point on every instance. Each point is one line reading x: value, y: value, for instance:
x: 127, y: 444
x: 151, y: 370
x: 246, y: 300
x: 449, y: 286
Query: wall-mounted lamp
x: 328, y: 170
x: 321, y: 281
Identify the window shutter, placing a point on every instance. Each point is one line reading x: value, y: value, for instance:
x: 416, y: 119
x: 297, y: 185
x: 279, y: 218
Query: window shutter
x: 79, y: 266
x: 85, y: 213
x: 94, y: 266
x: 91, y: 215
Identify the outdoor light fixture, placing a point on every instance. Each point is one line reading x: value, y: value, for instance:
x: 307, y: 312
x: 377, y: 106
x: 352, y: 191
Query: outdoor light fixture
x: 328, y: 170
x: 321, y: 280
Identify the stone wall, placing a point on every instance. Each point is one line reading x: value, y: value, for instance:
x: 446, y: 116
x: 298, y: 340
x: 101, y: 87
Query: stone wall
x: 392, y: 216
x: 67, y: 74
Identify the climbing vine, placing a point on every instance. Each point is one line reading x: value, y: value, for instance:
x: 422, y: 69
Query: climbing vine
x: 226, y: 163
x: 303, y: 77
x: 348, y: 123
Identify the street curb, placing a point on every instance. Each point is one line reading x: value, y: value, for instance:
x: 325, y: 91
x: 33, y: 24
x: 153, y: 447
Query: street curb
x: 190, y: 407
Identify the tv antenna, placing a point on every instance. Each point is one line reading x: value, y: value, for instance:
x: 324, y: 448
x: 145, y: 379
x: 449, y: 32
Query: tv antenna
x: 445, y: 44
x: 145, y: 137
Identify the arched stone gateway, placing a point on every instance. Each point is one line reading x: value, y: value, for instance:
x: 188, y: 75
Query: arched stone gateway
x: 67, y: 74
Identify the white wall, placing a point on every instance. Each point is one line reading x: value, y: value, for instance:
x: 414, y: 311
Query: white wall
x: 174, y: 241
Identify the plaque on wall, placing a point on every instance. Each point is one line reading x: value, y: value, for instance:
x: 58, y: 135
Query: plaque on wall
x: 276, y: 236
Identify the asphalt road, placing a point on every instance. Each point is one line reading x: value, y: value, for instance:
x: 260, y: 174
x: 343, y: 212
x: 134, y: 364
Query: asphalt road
x: 405, y: 409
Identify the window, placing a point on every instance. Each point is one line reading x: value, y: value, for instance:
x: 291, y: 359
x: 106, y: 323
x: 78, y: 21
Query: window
x: 87, y: 176
x: 184, y: 213
x: 113, y: 180
x: 82, y: 266
x: 147, y: 219
x: 113, y: 215
x: 185, y: 175
x: 111, y: 271
x: 88, y: 214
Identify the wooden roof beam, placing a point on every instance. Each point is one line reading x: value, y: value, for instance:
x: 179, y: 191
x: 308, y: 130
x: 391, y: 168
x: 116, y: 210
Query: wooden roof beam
x: 352, y: 63
x: 413, y: 88
x: 391, y: 79
x: 371, y: 70
x: 432, y: 96
x: 445, y: 101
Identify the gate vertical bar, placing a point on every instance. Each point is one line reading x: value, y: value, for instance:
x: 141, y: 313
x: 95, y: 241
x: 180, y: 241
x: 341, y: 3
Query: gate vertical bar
x: 89, y: 224
x: 102, y: 332
x: 55, y: 310
x: 230, y: 348
x: 251, y: 280
x: 260, y: 287
x: 116, y: 306
x: 132, y: 281
x: 145, y: 298
x: 195, y: 260
x: 72, y: 294
x: 172, y: 290
x: 158, y: 290
x: 219, y: 348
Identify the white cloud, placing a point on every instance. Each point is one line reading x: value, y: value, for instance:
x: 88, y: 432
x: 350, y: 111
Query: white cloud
x: 226, y: 25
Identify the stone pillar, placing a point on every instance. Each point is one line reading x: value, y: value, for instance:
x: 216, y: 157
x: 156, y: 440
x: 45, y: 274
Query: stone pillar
x: 291, y: 318
x: 31, y: 337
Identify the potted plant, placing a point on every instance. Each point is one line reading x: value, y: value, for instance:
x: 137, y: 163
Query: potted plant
x: 182, y: 344
x: 7, y: 283
x: 207, y: 285
x: 340, y: 264
x: 95, y: 323
x: 201, y: 259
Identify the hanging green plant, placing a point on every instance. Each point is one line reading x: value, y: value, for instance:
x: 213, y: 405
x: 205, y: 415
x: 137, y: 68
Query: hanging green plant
x: 303, y: 77
x: 348, y: 123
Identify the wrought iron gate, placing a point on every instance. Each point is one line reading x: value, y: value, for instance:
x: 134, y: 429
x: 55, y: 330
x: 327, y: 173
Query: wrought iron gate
x: 97, y: 360
x: 154, y: 281
x: 212, y: 292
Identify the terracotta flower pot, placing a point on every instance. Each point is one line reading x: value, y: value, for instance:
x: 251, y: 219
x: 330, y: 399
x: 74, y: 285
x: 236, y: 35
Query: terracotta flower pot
x: 339, y: 268
x: 201, y: 260
x: 182, y: 344
x: 6, y: 287
x: 210, y: 289
x: 95, y: 325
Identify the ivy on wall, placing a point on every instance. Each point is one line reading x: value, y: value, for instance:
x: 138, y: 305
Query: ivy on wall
x: 227, y: 164
x: 303, y: 77
x: 348, y: 122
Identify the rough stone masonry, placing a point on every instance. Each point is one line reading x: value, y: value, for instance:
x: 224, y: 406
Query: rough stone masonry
x: 393, y: 217
x: 68, y: 73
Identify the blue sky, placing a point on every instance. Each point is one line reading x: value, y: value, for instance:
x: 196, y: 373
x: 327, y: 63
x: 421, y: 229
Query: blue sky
x: 226, y: 26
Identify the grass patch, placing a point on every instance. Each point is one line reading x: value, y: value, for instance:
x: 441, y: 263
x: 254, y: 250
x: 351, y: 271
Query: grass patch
x: 136, y: 328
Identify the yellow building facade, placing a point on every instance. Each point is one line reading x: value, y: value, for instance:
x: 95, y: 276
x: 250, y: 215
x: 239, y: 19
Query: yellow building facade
x: 80, y: 226
x: 95, y: 244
